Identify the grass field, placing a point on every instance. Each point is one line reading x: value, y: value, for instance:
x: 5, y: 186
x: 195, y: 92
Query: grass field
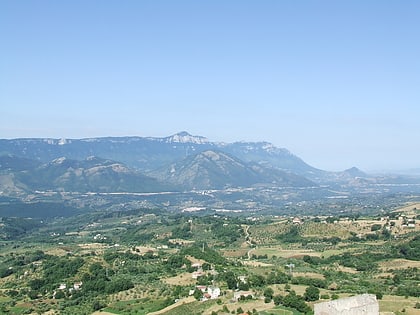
x: 397, y: 304
x: 139, y: 306
x: 181, y: 279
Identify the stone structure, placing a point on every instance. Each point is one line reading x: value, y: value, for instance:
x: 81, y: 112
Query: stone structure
x: 365, y: 304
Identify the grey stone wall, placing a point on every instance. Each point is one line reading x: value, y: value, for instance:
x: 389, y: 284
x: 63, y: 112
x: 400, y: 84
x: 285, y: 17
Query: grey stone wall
x: 365, y: 304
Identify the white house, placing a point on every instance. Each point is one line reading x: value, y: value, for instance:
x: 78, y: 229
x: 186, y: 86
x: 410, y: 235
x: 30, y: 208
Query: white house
x: 77, y: 285
x: 213, y: 291
x: 197, y: 274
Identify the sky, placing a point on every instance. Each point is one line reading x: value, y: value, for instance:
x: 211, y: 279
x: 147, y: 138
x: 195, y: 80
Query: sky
x: 335, y: 82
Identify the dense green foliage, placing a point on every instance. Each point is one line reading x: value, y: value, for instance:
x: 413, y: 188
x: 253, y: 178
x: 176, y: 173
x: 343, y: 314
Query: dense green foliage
x: 204, y: 252
x: 411, y: 249
x: 12, y: 228
x: 142, y: 262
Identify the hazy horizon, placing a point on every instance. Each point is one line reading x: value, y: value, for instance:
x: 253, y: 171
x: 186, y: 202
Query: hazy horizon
x: 335, y: 83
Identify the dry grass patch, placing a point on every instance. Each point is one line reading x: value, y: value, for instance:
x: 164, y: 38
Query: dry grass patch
x: 392, y: 303
x: 253, y: 263
x: 285, y: 253
x: 182, y: 279
x: 194, y: 260
x: 409, y: 209
x: 312, y: 275
x: 347, y: 269
x: 399, y: 264
x: 91, y: 246
x: 259, y: 305
x: 57, y: 252
x: 145, y: 249
x: 234, y: 253
x: 315, y: 229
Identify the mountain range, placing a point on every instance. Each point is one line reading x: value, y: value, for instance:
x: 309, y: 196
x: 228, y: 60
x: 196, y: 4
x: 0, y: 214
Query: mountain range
x: 147, y: 164
x: 149, y: 153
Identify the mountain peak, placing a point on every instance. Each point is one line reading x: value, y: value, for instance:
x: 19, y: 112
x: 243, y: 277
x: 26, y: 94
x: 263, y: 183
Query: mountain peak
x: 355, y: 172
x: 185, y: 137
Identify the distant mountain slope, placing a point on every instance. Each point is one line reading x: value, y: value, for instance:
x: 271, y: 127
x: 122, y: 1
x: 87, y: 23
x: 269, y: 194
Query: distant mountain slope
x: 355, y: 172
x: 268, y: 154
x: 217, y: 170
x: 15, y: 163
x: 139, y: 152
x: 89, y: 175
x: 281, y: 178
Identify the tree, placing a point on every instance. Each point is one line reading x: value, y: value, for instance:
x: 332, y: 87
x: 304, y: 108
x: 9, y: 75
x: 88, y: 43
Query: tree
x: 278, y: 299
x: 257, y: 280
x: 268, y: 293
x: 311, y: 293
x: 197, y: 294
x: 60, y: 295
x: 375, y: 227
x: 97, y: 305
x: 244, y: 286
x: 296, y: 301
x: 230, y: 280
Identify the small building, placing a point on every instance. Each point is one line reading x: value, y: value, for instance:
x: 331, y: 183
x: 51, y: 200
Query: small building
x: 297, y: 220
x: 242, y: 279
x: 355, y: 305
x: 77, y: 285
x: 197, y: 274
x: 213, y: 291
x: 202, y: 288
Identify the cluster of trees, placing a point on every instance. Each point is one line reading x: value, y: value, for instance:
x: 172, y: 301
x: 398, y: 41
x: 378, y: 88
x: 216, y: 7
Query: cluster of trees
x: 295, y: 301
x: 226, y: 233
x: 293, y: 235
x: 14, y: 228
x: 410, y: 249
x: 97, y: 281
x: 204, y: 252
x: 361, y: 262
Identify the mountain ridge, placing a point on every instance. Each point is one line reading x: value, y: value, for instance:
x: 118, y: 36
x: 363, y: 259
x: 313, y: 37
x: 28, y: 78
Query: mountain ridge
x: 215, y: 169
x: 149, y: 153
x: 90, y: 175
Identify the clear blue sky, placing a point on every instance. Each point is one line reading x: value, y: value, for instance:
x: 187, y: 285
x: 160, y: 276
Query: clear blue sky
x: 335, y: 82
